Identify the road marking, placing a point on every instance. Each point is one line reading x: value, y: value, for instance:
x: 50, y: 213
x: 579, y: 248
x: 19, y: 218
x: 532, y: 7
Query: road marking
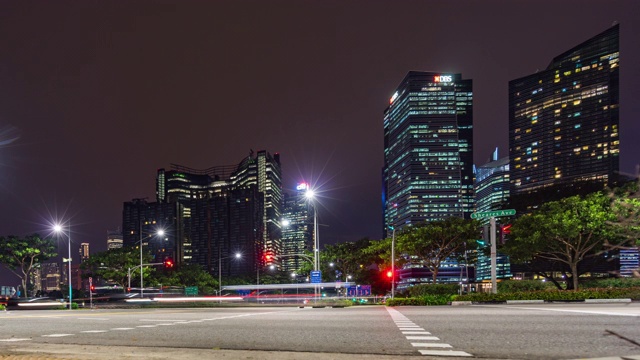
x: 422, y: 338
x: 410, y: 330
x: 122, y: 329
x: 580, y: 311
x: 444, y: 353
x: 57, y: 335
x: 160, y: 320
x: 435, y: 345
x: 94, y: 331
x: 165, y: 324
x: 147, y: 326
x: 14, y: 339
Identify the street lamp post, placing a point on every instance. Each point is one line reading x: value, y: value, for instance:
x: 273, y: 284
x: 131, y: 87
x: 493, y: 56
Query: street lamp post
x: 393, y: 262
x: 237, y: 256
x: 58, y: 229
x: 158, y: 233
x: 310, y: 195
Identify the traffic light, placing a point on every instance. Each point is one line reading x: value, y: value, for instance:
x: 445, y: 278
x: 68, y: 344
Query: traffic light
x: 168, y: 263
x: 389, y: 274
x: 92, y: 288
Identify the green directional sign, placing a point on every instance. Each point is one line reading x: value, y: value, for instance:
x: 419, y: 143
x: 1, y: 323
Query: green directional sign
x: 497, y: 213
x: 191, y: 290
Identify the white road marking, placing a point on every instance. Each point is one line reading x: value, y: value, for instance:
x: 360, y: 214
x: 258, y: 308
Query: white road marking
x: 422, y: 338
x: 444, y: 353
x: 99, y: 319
x: 434, y: 345
x: 411, y: 328
x: 147, y: 326
x: 122, y: 329
x: 159, y: 320
x: 94, y: 331
x: 416, y: 333
x: 573, y: 311
x: 57, y: 335
x: 14, y: 339
x: 166, y: 324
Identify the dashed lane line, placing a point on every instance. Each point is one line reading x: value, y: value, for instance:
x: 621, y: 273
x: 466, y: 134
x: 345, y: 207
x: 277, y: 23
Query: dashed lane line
x: 57, y: 335
x: 433, y: 345
x: 94, y: 331
x: 122, y: 329
x: 14, y: 339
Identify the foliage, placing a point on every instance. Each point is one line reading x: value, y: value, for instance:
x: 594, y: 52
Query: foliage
x: 24, y: 254
x: 433, y: 289
x: 611, y: 283
x: 354, y: 259
x: 187, y: 275
x: 2, y: 307
x: 625, y: 205
x: 555, y: 295
x: 426, y: 300
x: 510, y: 286
x: 434, y: 242
x: 568, y: 232
x: 112, y: 266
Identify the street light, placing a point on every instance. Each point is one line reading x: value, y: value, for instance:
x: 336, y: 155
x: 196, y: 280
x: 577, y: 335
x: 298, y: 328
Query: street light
x: 58, y: 228
x: 310, y: 195
x: 160, y: 232
x: 237, y: 256
x: 393, y: 261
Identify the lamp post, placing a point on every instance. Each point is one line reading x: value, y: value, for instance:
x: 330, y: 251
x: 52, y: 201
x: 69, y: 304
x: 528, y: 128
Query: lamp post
x: 237, y: 256
x: 393, y: 262
x: 58, y: 229
x: 158, y: 233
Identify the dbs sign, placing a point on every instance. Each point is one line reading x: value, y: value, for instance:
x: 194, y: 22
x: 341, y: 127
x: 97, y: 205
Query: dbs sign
x: 443, y: 78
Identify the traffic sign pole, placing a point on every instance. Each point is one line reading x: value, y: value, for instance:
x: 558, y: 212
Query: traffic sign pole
x: 494, y: 285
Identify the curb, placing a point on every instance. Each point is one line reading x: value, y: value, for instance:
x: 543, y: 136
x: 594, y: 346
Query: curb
x: 525, y: 301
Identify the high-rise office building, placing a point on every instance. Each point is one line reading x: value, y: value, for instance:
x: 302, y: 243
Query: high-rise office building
x: 84, y: 252
x: 114, y: 240
x: 297, y: 230
x: 428, y: 157
x: 141, y: 221
x: 226, y: 210
x: 492, y: 193
x: 563, y: 121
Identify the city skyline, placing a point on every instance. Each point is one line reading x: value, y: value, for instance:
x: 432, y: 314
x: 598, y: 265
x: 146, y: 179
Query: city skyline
x: 94, y: 99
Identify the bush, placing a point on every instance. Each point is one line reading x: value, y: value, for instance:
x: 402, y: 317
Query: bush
x: 426, y: 300
x: 511, y: 286
x: 548, y: 295
x: 433, y: 289
x: 610, y: 283
x: 2, y: 307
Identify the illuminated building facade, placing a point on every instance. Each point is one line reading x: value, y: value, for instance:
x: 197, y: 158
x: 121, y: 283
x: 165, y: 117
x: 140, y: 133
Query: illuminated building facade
x: 114, y: 240
x: 141, y: 220
x: 227, y: 210
x: 428, y: 157
x: 84, y: 252
x: 491, y: 193
x: 563, y: 121
x: 297, y: 231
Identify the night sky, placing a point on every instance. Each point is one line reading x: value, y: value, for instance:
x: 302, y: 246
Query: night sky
x: 95, y: 96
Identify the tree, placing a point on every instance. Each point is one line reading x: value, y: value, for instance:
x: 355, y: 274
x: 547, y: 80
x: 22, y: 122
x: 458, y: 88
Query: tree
x: 570, y: 231
x: 113, y: 265
x: 625, y: 204
x: 435, y: 241
x: 24, y: 254
x: 186, y: 275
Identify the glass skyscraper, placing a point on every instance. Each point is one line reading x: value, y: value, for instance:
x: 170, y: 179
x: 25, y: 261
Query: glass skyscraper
x: 297, y: 232
x: 428, y: 150
x: 563, y: 121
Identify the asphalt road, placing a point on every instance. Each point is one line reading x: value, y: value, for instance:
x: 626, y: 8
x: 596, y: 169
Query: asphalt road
x: 548, y: 331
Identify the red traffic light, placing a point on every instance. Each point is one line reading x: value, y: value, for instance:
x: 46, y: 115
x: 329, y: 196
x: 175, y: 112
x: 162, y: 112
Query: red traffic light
x: 389, y: 274
x: 168, y: 263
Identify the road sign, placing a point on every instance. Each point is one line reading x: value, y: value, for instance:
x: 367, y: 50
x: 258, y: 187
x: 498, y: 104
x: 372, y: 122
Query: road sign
x: 497, y: 213
x: 316, y: 277
x: 191, y: 290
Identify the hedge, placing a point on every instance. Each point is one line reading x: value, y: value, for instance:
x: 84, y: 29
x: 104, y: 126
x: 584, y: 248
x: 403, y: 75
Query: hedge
x: 610, y: 293
x: 433, y: 289
x: 426, y: 300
